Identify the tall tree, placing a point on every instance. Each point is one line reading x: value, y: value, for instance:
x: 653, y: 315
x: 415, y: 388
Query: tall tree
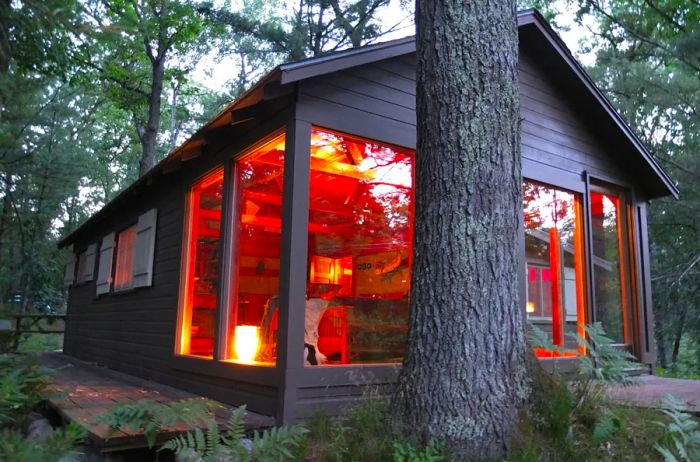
x: 314, y: 27
x: 131, y: 53
x: 466, y: 371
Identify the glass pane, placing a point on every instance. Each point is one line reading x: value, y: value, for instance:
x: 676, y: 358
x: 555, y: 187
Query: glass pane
x: 608, y: 239
x: 199, y: 308
x: 554, y: 255
x: 360, y: 232
x: 125, y: 256
x: 252, y: 318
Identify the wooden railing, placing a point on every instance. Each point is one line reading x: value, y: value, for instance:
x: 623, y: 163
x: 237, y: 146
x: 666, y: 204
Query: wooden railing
x: 31, y: 324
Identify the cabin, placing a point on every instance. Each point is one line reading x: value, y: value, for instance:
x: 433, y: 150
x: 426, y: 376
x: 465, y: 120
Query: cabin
x: 266, y: 261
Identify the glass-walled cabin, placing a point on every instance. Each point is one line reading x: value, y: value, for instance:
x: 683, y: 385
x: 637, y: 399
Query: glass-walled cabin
x: 577, y: 253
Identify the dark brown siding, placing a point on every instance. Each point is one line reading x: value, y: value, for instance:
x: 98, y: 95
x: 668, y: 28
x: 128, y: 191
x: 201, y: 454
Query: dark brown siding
x: 134, y: 331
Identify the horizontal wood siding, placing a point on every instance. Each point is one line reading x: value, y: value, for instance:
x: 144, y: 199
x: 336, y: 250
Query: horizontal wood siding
x: 376, y: 100
x: 555, y: 135
x: 134, y: 331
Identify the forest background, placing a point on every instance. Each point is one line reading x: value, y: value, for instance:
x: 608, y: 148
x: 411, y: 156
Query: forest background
x: 94, y: 92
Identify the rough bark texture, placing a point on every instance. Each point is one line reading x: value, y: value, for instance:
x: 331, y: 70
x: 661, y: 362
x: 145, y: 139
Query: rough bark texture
x: 466, y: 372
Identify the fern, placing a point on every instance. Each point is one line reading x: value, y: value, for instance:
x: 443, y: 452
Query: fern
x: 276, y: 444
x: 273, y: 445
x: 681, y: 440
x: 604, y: 362
x: 151, y: 417
x: 606, y: 427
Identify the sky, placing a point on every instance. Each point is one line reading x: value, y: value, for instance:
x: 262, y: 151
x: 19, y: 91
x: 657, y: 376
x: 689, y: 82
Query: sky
x: 214, y: 74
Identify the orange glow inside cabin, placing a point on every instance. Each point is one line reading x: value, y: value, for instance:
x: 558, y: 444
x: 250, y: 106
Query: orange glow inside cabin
x: 123, y: 275
x: 204, y: 227
x: 555, y: 271
x: 359, y: 256
x: 611, y: 278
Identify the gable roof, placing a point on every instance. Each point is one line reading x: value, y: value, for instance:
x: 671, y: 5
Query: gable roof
x: 534, y: 31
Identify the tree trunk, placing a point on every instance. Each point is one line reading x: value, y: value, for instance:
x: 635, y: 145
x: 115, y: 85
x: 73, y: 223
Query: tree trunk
x: 660, y: 340
x: 150, y: 133
x: 466, y: 372
x: 173, y: 116
x: 677, y: 338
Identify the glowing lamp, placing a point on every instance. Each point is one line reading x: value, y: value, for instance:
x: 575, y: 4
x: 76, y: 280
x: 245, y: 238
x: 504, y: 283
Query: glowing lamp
x: 246, y: 343
x: 530, y: 307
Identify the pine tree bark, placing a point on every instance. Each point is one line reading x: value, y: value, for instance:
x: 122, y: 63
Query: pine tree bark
x: 467, y: 367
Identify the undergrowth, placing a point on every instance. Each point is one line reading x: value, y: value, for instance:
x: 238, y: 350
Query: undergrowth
x: 572, y: 420
x: 23, y: 385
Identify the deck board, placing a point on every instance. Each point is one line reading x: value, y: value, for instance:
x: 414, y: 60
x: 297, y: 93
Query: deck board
x: 80, y: 392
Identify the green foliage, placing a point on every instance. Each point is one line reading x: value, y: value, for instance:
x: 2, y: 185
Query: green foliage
x: 606, y: 427
x: 60, y: 445
x: 406, y: 452
x: 22, y: 385
x: 604, y: 362
x: 275, y: 444
x: 681, y: 439
x: 151, y: 417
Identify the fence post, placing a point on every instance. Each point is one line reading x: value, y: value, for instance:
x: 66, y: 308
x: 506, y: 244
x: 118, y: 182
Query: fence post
x: 18, y: 331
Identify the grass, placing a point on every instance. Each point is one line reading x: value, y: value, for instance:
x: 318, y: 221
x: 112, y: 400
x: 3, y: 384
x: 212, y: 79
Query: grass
x: 634, y: 441
x: 37, y: 343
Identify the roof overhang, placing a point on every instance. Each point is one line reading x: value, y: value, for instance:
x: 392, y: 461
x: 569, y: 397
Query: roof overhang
x: 533, y: 30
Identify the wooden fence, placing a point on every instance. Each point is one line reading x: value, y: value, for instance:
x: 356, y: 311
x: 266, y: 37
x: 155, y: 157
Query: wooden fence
x: 33, y: 324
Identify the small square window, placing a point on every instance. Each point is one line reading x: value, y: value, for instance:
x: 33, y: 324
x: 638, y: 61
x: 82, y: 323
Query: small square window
x: 123, y: 274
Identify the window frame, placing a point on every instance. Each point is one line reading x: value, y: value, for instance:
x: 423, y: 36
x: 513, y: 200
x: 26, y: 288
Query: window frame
x: 627, y: 263
x: 581, y: 265
x: 186, y: 258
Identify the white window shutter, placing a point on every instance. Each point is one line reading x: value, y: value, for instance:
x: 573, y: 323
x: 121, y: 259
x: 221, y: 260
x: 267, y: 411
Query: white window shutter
x: 69, y: 275
x: 89, y: 269
x: 104, y: 271
x: 145, y: 249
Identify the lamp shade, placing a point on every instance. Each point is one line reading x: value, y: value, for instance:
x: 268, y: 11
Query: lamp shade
x: 246, y: 343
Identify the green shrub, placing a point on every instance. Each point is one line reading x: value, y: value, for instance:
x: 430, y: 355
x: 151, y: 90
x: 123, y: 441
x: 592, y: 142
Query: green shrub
x: 22, y: 386
x: 59, y: 445
x: 405, y: 452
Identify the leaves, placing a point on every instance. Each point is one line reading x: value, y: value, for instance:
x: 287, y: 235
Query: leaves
x: 151, y: 417
x: 272, y: 445
x: 681, y: 441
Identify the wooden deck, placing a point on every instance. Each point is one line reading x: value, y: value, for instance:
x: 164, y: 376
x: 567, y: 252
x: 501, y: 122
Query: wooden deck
x: 652, y: 390
x: 80, y: 392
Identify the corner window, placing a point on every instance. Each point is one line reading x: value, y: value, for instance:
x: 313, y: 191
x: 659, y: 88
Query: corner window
x: 555, y: 263
x: 200, y: 270
x: 251, y: 321
x: 123, y: 277
x: 359, y: 242
x: 611, y: 283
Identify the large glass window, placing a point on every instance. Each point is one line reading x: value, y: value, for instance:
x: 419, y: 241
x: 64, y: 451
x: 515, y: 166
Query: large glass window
x: 360, y: 232
x: 252, y: 318
x: 197, y: 314
x: 611, y: 270
x: 554, y: 256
